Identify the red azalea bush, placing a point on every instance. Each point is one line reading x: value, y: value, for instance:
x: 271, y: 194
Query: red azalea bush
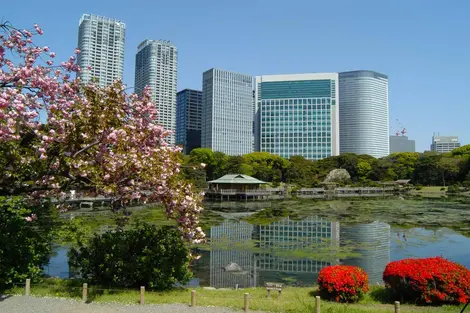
x: 430, y: 280
x: 343, y: 283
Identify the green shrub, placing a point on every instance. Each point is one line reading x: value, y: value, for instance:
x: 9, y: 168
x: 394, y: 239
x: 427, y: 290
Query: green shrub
x: 453, y: 189
x: 25, y: 240
x: 148, y: 256
x: 443, y: 188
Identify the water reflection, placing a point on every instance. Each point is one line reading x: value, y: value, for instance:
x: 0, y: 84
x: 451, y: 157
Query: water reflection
x: 231, y: 234
x: 287, y: 238
x: 293, y: 251
x: 372, y: 242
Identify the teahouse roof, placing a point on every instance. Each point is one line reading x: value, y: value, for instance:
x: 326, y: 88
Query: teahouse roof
x: 237, y: 179
x: 403, y: 181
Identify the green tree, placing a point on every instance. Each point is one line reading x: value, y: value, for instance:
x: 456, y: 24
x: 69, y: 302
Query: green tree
x: 461, y: 151
x: 234, y: 165
x: 266, y: 166
x: 219, y: 165
x: 363, y: 170
x: 449, y: 169
x: 300, y: 171
x: 427, y: 170
x: 25, y: 239
x: 383, y: 170
x: 203, y: 156
x: 404, y: 164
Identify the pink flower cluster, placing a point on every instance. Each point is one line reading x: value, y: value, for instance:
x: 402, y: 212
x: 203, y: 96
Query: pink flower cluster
x: 102, y: 140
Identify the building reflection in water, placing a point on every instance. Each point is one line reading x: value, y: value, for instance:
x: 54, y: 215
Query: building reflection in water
x: 291, y: 251
x: 224, y: 252
x: 291, y: 238
x: 372, y: 242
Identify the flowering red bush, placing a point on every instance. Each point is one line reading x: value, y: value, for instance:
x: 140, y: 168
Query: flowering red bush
x: 343, y: 283
x: 430, y: 280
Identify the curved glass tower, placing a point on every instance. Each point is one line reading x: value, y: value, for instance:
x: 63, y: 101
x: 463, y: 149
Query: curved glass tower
x: 363, y: 113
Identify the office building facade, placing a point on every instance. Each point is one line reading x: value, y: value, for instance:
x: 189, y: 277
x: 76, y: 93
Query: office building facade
x: 156, y: 64
x: 444, y: 144
x: 402, y: 144
x: 188, y: 119
x: 101, y: 43
x: 227, y: 112
x: 297, y: 114
x: 364, y: 113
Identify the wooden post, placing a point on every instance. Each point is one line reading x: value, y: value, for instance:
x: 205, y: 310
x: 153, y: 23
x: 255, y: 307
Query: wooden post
x: 317, y: 304
x: 193, y: 298
x: 142, y: 294
x: 397, y: 307
x: 246, y: 298
x: 27, y: 287
x: 85, y: 292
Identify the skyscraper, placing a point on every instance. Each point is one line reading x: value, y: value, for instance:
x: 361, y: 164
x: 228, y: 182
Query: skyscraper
x: 363, y: 113
x: 297, y: 115
x: 188, y: 119
x: 227, y: 112
x: 101, y: 43
x: 444, y: 143
x: 156, y: 67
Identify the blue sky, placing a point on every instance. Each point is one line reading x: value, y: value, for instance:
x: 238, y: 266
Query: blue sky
x: 422, y: 45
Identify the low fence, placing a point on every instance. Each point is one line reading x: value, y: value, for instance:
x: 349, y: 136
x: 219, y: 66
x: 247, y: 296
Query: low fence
x: 314, y: 305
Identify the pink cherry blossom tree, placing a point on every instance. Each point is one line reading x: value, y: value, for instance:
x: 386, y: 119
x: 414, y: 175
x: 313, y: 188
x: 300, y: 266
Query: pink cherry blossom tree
x: 96, y: 140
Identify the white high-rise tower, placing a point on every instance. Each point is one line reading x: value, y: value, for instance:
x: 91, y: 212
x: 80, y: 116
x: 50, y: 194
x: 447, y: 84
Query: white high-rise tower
x: 363, y: 113
x: 227, y: 112
x: 101, y: 43
x: 156, y: 64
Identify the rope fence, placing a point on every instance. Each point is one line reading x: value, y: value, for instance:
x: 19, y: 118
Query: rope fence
x: 86, y: 294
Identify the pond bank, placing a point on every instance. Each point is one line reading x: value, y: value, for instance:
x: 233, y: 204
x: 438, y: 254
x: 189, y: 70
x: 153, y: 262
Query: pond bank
x: 283, y: 193
x: 292, y: 299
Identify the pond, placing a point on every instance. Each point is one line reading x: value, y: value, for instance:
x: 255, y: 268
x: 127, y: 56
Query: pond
x: 291, y: 241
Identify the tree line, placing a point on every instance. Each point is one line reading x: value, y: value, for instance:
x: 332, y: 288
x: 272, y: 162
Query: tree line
x: 427, y: 169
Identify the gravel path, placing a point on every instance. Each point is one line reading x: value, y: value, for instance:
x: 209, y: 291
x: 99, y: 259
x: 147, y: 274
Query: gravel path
x: 22, y: 304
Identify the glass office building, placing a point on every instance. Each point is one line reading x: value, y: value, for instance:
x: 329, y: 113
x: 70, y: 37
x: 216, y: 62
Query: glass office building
x: 156, y: 65
x: 227, y: 112
x: 188, y: 119
x: 101, y: 44
x: 363, y: 113
x: 297, y: 115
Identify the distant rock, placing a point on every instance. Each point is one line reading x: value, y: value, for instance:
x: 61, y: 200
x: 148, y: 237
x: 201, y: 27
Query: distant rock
x: 338, y: 175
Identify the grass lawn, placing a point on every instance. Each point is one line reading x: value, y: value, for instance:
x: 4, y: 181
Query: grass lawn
x: 292, y: 299
x: 433, y: 189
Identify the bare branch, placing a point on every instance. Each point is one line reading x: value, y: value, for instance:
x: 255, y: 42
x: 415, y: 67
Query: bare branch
x: 91, y: 145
